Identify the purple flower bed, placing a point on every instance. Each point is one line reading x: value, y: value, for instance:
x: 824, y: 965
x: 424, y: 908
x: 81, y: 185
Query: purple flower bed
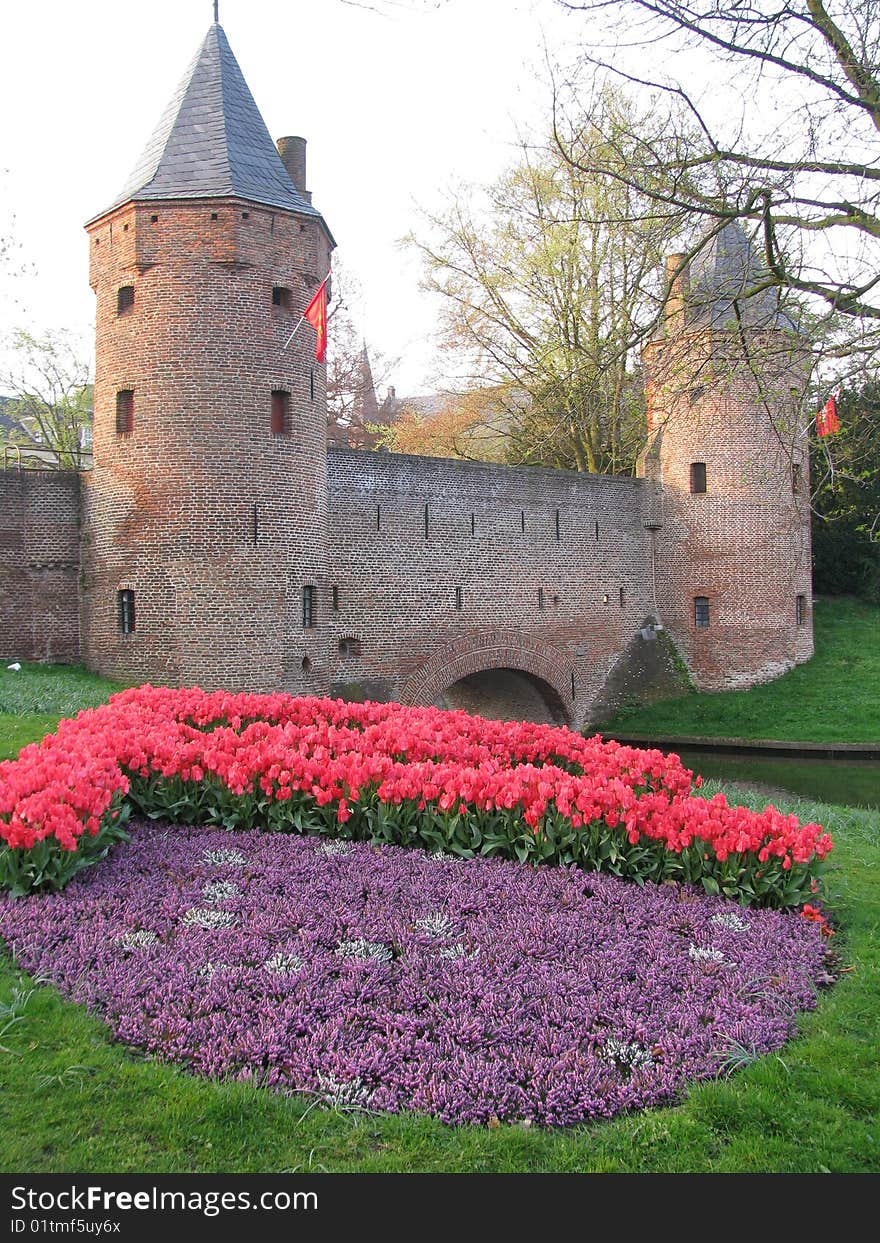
x: 388, y: 979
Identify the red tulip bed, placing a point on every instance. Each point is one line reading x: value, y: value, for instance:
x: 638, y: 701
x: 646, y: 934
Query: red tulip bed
x: 405, y: 968
x: 383, y: 773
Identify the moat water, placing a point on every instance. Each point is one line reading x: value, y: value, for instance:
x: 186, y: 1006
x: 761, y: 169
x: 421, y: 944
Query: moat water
x: 855, y: 783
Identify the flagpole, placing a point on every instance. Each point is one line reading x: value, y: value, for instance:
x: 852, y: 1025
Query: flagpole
x: 302, y: 318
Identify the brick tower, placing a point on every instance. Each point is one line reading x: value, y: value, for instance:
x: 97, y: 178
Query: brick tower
x: 205, y: 516
x: 730, y: 525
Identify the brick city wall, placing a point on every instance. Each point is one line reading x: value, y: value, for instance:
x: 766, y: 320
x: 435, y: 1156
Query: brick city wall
x: 212, y: 520
x: 551, y: 566
x: 39, y: 565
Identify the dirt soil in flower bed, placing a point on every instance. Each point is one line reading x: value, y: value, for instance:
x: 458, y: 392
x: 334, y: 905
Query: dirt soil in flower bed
x: 381, y: 978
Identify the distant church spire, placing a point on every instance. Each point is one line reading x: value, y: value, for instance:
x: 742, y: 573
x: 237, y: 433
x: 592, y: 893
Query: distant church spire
x: 216, y: 12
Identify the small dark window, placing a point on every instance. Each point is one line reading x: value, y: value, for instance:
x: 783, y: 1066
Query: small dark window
x: 124, y: 299
x: 621, y: 597
x: 154, y: 220
x: 306, y: 665
x: 309, y: 620
x: 125, y: 412
x: 597, y: 530
x: 701, y: 612
x: 795, y: 478
x: 557, y: 524
x: 473, y: 525
x: 125, y: 600
x: 245, y: 215
x: 281, y: 296
x: 334, y: 594
x: 280, y: 412
x: 378, y: 517
x: 213, y: 215
x: 459, y: 597
x: 800, y: 609
x: 522, y: 519
x: 349, y: 647
x: 698, y: 476
x: 696, y: 394
x: 540, y: 597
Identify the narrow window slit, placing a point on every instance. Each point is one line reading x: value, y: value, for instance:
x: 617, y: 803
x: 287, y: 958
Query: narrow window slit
x: 125, y: 604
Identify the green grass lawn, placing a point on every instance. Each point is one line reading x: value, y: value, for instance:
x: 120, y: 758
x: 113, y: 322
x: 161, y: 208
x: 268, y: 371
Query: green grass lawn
x: 835, y: 697
x: 33, y: 700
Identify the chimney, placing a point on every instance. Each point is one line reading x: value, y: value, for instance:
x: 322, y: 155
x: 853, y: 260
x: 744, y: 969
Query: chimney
x: 293, y: 157
x: 677, y: 283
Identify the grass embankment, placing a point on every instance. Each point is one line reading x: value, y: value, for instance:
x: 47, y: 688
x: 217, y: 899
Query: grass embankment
x: 835, y: 697
x: 72, y: 1101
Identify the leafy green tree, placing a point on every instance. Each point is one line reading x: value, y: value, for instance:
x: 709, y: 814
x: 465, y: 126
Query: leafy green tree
x: 548, y: 279
x: 846, y: 499
x: 49, y: 401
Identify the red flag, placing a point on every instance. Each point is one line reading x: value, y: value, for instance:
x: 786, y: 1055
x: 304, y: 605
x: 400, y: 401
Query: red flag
x: 826, y: 419
x: 316, y: 314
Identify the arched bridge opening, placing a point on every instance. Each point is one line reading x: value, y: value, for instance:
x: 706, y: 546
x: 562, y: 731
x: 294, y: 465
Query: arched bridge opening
x: 505, y: 695
x: 500, y: 674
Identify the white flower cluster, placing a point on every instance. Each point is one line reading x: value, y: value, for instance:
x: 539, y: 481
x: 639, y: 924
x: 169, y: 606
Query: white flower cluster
x: 453, y: 952
x: 137, y: 940
x: 219, y: 891
x: 700, y: 954
x: 728, y: 920
x: 207, y: 969
x: 366, y: 950
x: 625, y: 1054
x: 199, y: 917
x: 283, y: 964
x: 343, y: 1094
x: 334, y: 847
x: 434, y: 925
x: 224, y: 858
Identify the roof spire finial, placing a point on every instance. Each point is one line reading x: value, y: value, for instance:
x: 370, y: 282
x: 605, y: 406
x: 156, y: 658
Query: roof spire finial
x: 216, y: 12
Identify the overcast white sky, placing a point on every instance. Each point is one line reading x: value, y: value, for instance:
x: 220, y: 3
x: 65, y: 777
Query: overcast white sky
x: 396, y: 105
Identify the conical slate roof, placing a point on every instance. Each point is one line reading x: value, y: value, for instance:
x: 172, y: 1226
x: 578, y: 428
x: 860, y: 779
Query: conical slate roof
x: 721, y: 273
x: 212, y: 142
